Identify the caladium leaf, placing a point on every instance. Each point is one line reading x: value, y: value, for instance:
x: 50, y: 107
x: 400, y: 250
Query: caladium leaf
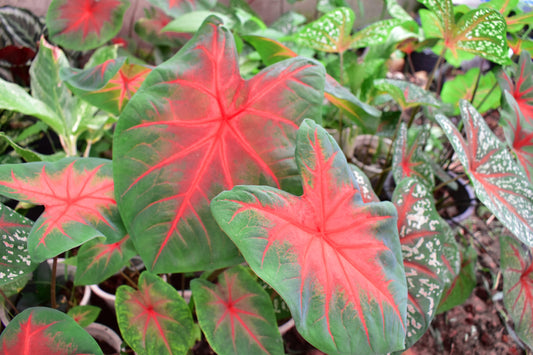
x: 498, y: 181
x: 365, y: 186
x: 84, y: 315
x: 519, y: 45
x: 406, y: 94
x: 154, y: 319
x: 334, y: 259
x: 236, y: 314
x: 77, y: 195
x: 177, y: 8
x: 376, y: 33
x: 98, y: 260
x: 84, y: 24
x: 423, y: 234
x: 196, y: 127
x: 518, y: 134
x: 15, y: 261
x: 150, y: 28
x: 41, y: 330
x: 517, y: 267
x: 520, y: 84
x: 478, y: 32
x: 108, y: 86
x: 514, y: 17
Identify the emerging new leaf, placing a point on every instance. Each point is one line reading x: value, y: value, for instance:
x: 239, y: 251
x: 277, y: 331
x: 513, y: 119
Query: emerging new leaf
x: 236, y: 315
x: 520, y: 84
x: 334, y: 259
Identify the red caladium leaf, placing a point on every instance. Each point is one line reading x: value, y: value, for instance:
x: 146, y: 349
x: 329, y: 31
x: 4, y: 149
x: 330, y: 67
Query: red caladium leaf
x: 195, y: 128
x: 520, y: 84
x: 519, y: 135
x: 41, y: 330
x: 155, y: 319
x: 236, y: 315
x: 84, y: 24
x: 334, y: 259
x: 177, y: 8
x: 150, y: 28
x: 98, y: 260
x: 423, y: 235
x: 77, y: 195
x: 84, y: 315
x: 108, y: 86
x: 15, y: 260
x: 517, y: 266
x: 498, y: 181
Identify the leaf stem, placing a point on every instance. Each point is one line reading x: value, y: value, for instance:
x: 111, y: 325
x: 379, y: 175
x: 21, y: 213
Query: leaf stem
x: 8, y: 301
x: 341, y: 81
x: 53, y: 284
x: 129, y: 280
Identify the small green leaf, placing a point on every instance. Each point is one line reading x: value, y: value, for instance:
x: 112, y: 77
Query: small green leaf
x: 84, y: 315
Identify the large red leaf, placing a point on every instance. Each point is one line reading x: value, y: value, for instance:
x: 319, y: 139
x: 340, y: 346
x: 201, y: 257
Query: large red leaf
x: 236, y: 315
x: 520, y: 84
x: 84, y: 24
x: 498, y: 181
x: 77, y: 195
x: 46, y: 331
x: 154, y: 319
x: 517, y: 266
x: 334, y: 259
x: 195, y: 128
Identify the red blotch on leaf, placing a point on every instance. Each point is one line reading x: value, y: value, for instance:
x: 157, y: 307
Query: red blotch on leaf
x: 87, y: 16
x: 32, y: 340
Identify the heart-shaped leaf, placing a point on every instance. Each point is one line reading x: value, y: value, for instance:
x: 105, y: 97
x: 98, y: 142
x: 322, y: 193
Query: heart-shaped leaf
x: 195, y: 128
x: 406, y: 94
x: 335, y: 260
x: 518, y: 134
x: 154, y: 319
x: 84, y: 24
x: 520, y: 84
x: 423, y: 235
x: 498, y: 181
x: 84, y: 315
x: 15, y: 261
x: 177, y: 8
x: 98, y: 260
x: 46, y: 331
x: 77, y: 195
x: 517, y: 267
x: 514, y: 17
x: 236, y: 315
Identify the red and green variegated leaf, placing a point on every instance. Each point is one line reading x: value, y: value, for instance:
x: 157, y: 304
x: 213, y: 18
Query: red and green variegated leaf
x: 108, y: 86
x: 84, y: 315
x: 196, y: 128
x: 406, y: 94
x: 520, y: 84
x: 334, y: 259
x: 46, y: 331
x: 331, y: 32
x: 236, y: 314
x: 517, y: 267
x: 410, y: 161
x: 463, y: 87
x: 98, y: 260
x: 154, y: 319
x: 515, y: 21
x: 423, y: 234
x: 150, y: 28
x: 374, y: 34
x: 364, y: 115
x: 462, y: 283
x: 15, y: 260
x: 498, y: 181
x: 78, y: 200
x: 177, y: 8
x: 518, y: 134
x: 519, y: 45
x: 84, y: 24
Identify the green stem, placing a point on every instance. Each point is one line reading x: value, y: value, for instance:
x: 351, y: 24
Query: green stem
x: 53, y: 284
x: 476, y: 87
x: 8, y: 301
x: 341, y: 81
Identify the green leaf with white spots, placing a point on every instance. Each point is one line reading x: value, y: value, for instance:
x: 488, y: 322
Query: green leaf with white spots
x: 498, y: 181
x: 374, y: 34
x: 406, y: 94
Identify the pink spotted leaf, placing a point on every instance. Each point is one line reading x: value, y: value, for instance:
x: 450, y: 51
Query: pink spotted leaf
x: 154, y: 319
x: 78, y: 200
x: 48, y: 331
x: 335, y: 260
x: 195, y: 128
x: 84, y: 24
x: 236, y: 315
x: 84, y: 315
x: 498, y: 181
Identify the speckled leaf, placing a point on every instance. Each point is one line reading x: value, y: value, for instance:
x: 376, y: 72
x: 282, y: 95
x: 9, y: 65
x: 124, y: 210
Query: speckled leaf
x: 519, y: 82
x: 410, y: 160
x: 367, y: 191
x: 15, y: 261
x: 406, y: 94
x: 334, y: 259
x: 498, y: 181
x: 514, y: 17
x: 154, y: 319
x: 177, y: 8
x: 423, y: 234
x: 236, y: 314
x: 98, y: 260
x: 517, y: 267
x: 374, y: 34
x: 47, y: 331
x: 518, y: 134
x: 77, y: 195
x: 84, y: 315
x: 84, y: 24
x: 196, y: 128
